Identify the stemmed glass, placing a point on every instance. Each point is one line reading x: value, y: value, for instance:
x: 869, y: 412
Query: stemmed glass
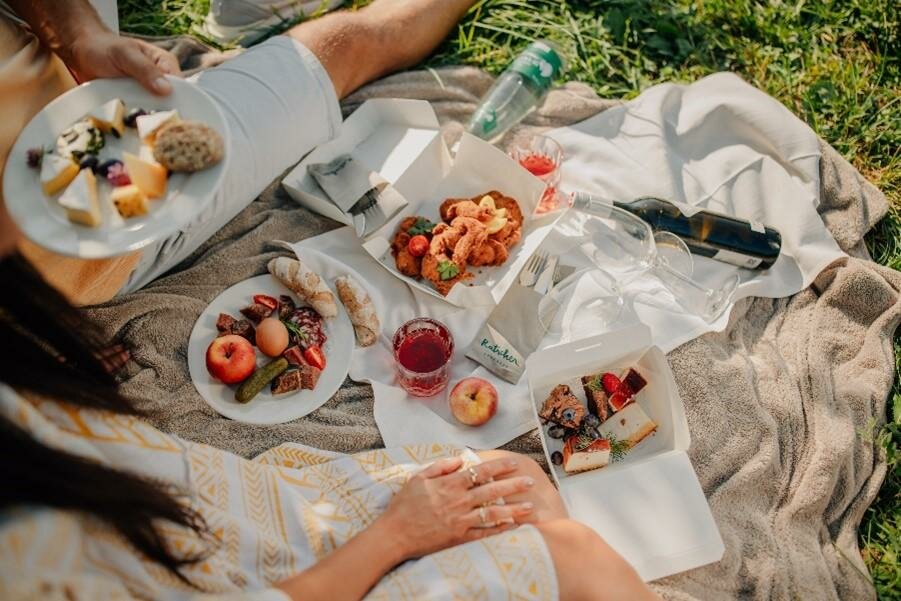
x: 542, y: 156
x: 624, y: 248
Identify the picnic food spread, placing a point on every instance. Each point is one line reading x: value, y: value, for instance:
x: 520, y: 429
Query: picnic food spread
x: 476, y: 232
x: 73, y: 169
x: 601, y: 429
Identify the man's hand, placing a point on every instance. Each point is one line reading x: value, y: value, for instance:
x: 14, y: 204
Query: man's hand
x: 107, y: 54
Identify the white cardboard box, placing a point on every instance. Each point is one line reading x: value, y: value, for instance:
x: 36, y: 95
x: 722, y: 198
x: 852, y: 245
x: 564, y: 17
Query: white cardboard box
x: 401, y: 140
x: 649, y: 506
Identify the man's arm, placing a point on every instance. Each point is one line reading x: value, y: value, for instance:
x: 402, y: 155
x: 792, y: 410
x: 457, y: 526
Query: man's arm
x: 72, y: 29
x: 386, y: 36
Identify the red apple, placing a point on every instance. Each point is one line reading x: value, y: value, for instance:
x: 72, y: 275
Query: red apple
x: 473, y: 401
x: 231, y: 359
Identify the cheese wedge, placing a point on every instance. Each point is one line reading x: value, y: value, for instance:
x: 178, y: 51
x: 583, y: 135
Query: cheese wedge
x: 56, y: 173
x: 149, y: 177
x: 630, y: 425
x: 80, y: 200
x: 109, y: 117
x: 129, y: 201
x: 148, y: 125
x: 596, y: 455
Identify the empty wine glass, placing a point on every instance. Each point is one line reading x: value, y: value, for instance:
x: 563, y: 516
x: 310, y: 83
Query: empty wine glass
x: 627, y: 248
x: 590, y: 299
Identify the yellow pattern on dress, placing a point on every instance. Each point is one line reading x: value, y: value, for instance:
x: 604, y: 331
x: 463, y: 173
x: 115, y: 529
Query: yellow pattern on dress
x: 270, y: 517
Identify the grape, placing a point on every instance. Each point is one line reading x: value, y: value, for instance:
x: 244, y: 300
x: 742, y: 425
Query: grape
x: 556, y: 431
x: 131, y: 118
x: 89, y: 161
x: 591, y: 420
x: 34, y: 156
x: 103, y: 168
x: 557, y: 458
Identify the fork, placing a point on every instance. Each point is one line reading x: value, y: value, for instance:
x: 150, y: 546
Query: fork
x: 529, y: 274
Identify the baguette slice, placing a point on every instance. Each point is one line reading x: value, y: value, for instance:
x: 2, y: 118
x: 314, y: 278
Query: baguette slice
x: 360, y: 309
x: 304, y: 282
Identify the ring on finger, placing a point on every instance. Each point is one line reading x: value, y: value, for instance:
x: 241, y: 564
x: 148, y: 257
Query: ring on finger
x: 473, y: 476
x: 482, y: 517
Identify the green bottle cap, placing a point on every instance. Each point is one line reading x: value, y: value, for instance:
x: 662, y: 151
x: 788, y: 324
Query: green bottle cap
x: 540, y: 63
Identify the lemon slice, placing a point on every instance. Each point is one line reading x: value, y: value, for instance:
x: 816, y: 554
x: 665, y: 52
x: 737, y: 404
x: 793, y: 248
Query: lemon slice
x: 496, y: 224
x: 487, y: 203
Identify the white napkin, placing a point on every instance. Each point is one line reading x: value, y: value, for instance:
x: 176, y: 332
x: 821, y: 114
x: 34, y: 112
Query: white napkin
x: 718, y: 144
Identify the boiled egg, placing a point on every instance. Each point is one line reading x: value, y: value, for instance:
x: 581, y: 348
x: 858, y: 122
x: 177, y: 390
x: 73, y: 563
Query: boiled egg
x: 272, y: 337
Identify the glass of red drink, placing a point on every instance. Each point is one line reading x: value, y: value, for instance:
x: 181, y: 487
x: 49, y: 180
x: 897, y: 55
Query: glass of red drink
x: 542, y: 157
x: 422, y: 352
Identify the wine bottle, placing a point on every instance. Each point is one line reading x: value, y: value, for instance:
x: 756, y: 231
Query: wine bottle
x: 732, y: 240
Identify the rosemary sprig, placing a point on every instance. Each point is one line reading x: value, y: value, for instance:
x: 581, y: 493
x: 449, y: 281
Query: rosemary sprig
x: 596, y: 384
x: 618, y: 448
x: 297, y: 331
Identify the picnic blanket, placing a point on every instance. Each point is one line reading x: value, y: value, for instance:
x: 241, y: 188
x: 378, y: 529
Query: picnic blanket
x: 781, y: 405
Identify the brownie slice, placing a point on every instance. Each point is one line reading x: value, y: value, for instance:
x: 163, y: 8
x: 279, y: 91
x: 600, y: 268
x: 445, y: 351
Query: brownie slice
x: 597, y: 397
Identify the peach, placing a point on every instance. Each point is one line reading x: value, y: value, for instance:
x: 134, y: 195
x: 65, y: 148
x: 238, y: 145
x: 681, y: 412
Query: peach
x: 473, y: 401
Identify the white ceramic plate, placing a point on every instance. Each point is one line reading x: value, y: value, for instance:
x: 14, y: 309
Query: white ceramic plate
x: 41, y: 218
x: 266, y: 408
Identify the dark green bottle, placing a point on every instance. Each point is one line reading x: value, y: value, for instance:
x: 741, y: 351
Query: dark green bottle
x: 732, y: 240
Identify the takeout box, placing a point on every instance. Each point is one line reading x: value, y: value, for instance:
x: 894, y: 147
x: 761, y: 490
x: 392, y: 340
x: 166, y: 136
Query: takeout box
x: 401, y: 141
x: 649, y: 506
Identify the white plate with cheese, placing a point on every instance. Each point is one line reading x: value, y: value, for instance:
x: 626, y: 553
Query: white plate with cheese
x: 71, y: 212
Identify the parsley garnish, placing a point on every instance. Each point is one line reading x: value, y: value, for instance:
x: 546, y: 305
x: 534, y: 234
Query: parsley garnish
x: 618, y: 448
x: 421, y: 227
x: 596, y: 385
x: 296, y: 330
x: 448, y: 270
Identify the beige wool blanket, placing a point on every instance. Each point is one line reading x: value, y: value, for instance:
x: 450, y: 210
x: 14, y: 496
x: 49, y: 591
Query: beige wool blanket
x: 781, y: 405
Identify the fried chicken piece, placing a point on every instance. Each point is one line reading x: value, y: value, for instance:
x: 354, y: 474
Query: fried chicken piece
x: 406, y: 263
x: 473, y: 234
x: 407, y: 222
x: 444, y: 209
x: 430, y: 272
x: 490, y: 252
x: 510, y: 234
x: 468, y: 208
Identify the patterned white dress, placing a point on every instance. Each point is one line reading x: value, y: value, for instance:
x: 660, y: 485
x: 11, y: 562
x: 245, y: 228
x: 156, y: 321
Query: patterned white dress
x: 274, y: 516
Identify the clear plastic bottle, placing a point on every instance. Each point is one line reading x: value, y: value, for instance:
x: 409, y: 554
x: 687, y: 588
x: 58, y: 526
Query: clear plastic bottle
x: 517, y: 91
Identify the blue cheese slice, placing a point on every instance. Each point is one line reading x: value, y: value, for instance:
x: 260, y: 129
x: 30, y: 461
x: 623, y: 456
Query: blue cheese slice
x: 109, y: 117
x: 630, y: 425
x: 148, y: 125
x: 80, y: 200
x: 56, y: 173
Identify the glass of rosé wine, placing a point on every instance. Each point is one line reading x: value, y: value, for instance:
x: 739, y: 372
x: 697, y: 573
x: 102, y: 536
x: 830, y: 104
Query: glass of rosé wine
x: 422, y: 351
x: 542, y: 156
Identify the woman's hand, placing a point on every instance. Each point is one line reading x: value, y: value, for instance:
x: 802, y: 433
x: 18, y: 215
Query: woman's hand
x: 441, y: 507
x: 106, y: 54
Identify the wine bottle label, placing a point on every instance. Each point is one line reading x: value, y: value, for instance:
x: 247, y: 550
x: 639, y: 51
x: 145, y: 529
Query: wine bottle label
x: 737, y: 259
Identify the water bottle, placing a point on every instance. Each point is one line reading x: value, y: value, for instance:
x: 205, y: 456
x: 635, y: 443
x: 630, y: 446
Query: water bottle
x: 517, y: 91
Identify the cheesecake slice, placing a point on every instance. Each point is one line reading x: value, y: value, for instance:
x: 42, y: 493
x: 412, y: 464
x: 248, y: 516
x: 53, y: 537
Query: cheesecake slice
x: 578, y: 457
x: 149, y: 125
x: 80, y: 200
x: 109, y: 117
x: 630, y: 425
x: 56, y: 173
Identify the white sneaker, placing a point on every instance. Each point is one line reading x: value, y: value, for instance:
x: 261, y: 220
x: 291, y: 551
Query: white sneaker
x: 246, y: 21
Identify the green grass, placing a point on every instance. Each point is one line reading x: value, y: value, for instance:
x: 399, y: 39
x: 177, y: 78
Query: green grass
x: 837, y: 64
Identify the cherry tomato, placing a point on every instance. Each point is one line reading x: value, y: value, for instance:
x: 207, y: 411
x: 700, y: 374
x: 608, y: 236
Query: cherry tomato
x: 418, y: 246
x: 266, y: 300
x: 314, y: 356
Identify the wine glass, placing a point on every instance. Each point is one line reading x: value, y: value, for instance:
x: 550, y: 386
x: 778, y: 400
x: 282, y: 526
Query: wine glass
x: 588, y: 299
x: 542, y: 156
x: 626, y: 248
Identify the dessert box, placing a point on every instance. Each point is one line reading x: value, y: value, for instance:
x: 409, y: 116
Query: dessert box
x: 401, y: 141
x: 649, y: 505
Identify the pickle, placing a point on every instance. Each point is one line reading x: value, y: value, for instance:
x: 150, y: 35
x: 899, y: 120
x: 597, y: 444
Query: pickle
x: 252, y: 386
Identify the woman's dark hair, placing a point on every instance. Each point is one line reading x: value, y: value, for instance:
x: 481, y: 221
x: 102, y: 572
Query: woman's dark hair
x: 51, y: 350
